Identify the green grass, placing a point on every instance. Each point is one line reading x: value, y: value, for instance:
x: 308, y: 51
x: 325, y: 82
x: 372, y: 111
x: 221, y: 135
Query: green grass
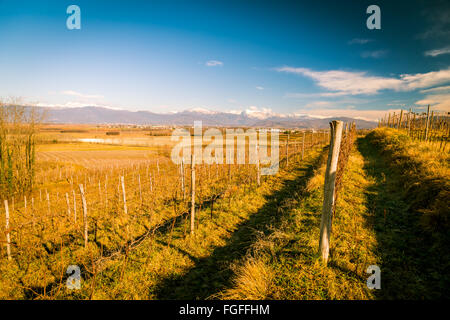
x: 411, y: 220
x: 289, y: 254
x: 262, y: 242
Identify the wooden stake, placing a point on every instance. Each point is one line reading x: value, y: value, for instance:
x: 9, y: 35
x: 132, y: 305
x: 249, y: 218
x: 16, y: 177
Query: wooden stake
x: 287, y: 151
x: 8, y: 237
x: 427, y: 123
x: 192, y: 193
x: 329, y: 196
x: 83, y: 201
x: 124, y: 195
x: 258, y: 171
x: 303, y: 144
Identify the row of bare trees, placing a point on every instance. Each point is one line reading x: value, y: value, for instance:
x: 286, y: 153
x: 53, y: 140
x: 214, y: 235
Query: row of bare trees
x: 18, y: 127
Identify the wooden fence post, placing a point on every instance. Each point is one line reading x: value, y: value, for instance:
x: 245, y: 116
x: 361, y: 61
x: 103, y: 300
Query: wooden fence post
x: 427, y: 123
x: 258, y: 170
x: 399, y: 125
x: 303, y: 144
x: 151, y: 181
x: 8, y: 237
x: 83, y: 200
x: 192, y: 193
x: 409, y: 122
x: 287, y: 151
x: 124, y: 195
x: 329, y: 196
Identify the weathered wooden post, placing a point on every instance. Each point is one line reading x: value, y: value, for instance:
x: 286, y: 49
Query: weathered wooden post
x: 287, y: 151
x: 427, y: 123
x: 124, y: 197
x: 8, y: 237
x: 329, y: 196
x: 399, y: 125
x: 83, y: 201
x: 409, y: 122
x: 303, y: 144
x: 192, y: 193
x: 151, y: 181
x: 258, y: 170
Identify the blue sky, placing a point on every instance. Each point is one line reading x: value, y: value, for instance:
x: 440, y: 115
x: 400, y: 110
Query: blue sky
x: 264, y: 57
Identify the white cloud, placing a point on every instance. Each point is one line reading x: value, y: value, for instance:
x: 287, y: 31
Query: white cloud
x: 437, y: 52
x: 354, y: 83
x: 313, y: 95
x: 425, y: 80
x: 259, y: 88
x: 439, y: 102
x: 369, y: 115
x: 374, y: 54
x: 214, y: 63
x: 72, y: 104
x: 396, y: 104
x: 81, y: 95
x: 437, y: 89
x: 360, y: 41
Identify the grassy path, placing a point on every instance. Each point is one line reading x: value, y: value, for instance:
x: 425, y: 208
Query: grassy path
x: 285, y: 265
x: 411, y: 267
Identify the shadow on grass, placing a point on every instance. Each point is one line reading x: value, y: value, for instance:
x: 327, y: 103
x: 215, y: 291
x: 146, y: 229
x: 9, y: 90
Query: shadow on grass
x: 212, y: 274
x: 411, y: 266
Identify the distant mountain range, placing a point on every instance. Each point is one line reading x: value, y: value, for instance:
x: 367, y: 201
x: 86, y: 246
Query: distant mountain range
x: 102, y: 115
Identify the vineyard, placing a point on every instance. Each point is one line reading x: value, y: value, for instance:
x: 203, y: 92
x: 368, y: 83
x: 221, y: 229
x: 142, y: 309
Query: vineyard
x: 90, y: 215
x: 139, y: 226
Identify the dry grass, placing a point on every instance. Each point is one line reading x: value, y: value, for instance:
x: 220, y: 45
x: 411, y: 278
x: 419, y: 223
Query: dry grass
x: 253, y: 281
x: 289, y: 252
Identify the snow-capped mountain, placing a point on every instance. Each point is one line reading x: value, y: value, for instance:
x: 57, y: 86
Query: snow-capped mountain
x: 251, y: 117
